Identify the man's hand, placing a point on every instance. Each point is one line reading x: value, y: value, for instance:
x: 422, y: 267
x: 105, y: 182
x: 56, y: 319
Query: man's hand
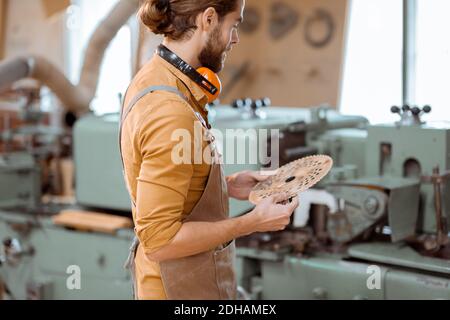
x: 271, y: 215
x: 241, y: 184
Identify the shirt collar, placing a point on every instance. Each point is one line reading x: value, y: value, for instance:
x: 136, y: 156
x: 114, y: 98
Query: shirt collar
x: 193, y: 87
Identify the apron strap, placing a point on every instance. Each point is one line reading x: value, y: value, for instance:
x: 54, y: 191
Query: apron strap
x: 147, y: 91
x: 132, y: 253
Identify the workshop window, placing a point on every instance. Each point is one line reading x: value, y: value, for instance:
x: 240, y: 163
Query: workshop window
x: 372, y: 80
x: 115, y: 74
x: 433, y: 57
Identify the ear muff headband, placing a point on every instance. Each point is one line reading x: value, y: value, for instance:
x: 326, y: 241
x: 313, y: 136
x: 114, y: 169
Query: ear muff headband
x: 183, y: 66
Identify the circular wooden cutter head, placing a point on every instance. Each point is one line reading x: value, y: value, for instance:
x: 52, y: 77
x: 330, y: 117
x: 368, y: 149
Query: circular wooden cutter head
x: 293, y: 178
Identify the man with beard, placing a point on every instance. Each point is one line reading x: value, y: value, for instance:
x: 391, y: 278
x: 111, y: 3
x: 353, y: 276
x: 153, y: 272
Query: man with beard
x: 184, y: 246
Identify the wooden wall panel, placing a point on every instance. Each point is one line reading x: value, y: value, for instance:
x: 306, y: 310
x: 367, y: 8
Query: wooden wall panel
x: 288, y: 69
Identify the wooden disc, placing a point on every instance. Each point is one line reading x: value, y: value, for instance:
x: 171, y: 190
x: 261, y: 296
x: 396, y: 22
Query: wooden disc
x: 293, y: 178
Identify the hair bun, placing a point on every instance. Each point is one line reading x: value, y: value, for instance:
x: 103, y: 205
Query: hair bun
x: 156, y: 15
x: 163, y: 5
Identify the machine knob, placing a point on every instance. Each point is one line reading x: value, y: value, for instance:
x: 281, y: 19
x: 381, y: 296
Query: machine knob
x: 395, y: 109
x: 237, y: 104
x: 427, y: 109
x: 257, y: 104
x: 416, y: 111
x: 248, y: 102
x: 266, y: 102
x: 406, y: 108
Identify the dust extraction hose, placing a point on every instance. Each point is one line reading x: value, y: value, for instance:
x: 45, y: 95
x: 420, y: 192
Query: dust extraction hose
x: 74, y: 98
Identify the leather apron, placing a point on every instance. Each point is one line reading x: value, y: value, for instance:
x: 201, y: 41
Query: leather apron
x: 208, y: 275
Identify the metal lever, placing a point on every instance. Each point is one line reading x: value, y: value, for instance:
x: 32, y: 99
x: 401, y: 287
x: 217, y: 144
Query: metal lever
x: 441, y: 220
x: 442, y: 239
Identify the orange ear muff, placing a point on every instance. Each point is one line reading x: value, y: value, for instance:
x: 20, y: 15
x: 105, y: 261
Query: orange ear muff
x: 214, y: 79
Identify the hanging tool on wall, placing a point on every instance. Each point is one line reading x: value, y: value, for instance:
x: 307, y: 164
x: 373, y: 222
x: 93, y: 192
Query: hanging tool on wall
x: 252, y: 20
x: 283, y: 20
x: 312, y: 25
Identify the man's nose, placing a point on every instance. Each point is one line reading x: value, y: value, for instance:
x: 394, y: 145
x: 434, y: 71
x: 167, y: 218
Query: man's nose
x: 235, y: 38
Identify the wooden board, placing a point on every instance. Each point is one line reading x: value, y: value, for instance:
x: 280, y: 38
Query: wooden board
x: 289, y: 70
x: 92, y: 221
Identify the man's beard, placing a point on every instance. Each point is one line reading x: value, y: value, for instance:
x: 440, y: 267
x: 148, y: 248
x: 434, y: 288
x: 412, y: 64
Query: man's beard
x: 213, y: 55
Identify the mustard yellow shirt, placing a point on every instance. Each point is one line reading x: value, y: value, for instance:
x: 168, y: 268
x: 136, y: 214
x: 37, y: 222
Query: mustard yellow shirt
x: 164, y: 192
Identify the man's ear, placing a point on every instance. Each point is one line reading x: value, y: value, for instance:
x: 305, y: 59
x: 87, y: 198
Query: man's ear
x: 209, y: 19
